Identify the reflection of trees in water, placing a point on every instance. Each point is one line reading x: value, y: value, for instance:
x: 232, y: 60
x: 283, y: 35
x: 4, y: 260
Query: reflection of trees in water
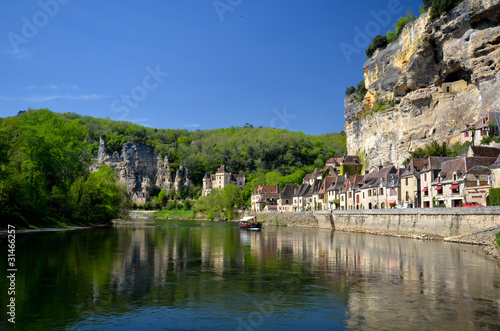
x: 382, y: 280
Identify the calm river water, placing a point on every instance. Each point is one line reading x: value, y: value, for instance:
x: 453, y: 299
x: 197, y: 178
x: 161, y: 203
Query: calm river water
x: 186, y: 275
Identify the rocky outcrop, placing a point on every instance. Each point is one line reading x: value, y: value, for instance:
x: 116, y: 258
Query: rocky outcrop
x: 139, y: 167
x: 438, y: 77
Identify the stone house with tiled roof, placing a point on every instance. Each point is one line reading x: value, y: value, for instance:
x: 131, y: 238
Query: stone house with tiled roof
x: 450, y: 182
x: 483, y: 151
x: 221, y: 179
x: 264, y: 195
x: 285, y: 201
x: 410, y: 182
x: 374, y: 189
x: 393, y: 191
x: 477, y: 185
x: 333, y: 193
x: 348, y: 193
x: 300, y: 198
x: 481, y: 128
x: 427, y: 175
x: 322, y: 203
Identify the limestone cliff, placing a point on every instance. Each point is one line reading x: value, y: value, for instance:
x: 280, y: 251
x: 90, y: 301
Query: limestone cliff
x: 139, y: 167
x: 438, y: 77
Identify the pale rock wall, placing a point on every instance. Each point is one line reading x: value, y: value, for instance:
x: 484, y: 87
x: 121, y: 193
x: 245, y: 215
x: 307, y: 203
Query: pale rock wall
x: 463, y: 45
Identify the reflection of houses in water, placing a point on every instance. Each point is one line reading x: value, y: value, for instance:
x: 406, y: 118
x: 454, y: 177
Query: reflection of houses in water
x: 390, y: 278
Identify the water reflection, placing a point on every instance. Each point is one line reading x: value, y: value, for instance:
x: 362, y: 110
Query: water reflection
x: 192, y: 275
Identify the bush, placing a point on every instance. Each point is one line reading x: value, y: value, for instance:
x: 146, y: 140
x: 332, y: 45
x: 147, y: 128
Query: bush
x: 440, y: 6
x: 486, y: 140
x: 494, y: 196
x: 378, y: 42
x: 361, y: 90
x: 350, y: 90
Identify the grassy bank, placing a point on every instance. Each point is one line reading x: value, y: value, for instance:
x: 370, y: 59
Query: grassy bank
x: 177, y: 214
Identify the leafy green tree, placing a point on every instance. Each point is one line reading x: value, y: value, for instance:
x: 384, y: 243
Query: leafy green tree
x: 350, y: 90
x: 361, y: 89
x: 378, y: 41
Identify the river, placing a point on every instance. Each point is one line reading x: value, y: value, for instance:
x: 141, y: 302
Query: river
x: 191, y: 275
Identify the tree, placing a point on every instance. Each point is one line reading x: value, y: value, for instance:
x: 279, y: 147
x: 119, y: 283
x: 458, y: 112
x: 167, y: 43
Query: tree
x: 350, y: 90
x: 378, y: 41
x: 361, y: 89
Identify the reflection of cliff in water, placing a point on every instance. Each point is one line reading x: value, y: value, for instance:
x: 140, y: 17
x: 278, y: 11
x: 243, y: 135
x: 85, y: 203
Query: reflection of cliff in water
x: 387, y: 277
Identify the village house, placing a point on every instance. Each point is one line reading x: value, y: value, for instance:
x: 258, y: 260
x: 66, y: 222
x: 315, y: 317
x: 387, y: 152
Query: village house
x: 264, y: 195
x: 221, y: 179
x: 410, y: 183
x: 450, y: 182
x: 376, y: 190
x: 333, y: 193
x: 477, y: 185
x: 427, y: 175
x: 300, y: 198
x: 350, y: 165
x: 139, y: 198
x: 313, y: 201
x: 481, y: 128
x: 393, y: 191
x: 347, y: 194
x: 285, y: 201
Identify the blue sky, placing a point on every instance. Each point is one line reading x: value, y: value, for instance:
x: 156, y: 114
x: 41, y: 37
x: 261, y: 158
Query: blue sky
x: 190, y: 64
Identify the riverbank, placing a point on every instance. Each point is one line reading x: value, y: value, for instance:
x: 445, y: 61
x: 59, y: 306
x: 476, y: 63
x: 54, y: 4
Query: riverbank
x: 476, y: 226
x: 68, y: 228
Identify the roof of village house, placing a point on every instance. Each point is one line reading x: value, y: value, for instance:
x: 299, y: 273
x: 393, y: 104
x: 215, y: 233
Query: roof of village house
x: 414, y: 167
x: 222, y: 169
x: 478, y: 170
x: 327, y: 181
x: 351, y: 182
x: 471, y: 162
x: 351, y: 159
x: 303, y: 189
x: 450, y: 167
x: 434, y: 162
x: 289, y: 191
x: 334, y: 160
x: 337, y: 183
x: 307, y: 177
x: 331, y: 169
x: 479, y: 124
x: 234, y: 177
x: 266, y: 189
x: 206, y: 176
x: 485, y: 151
x: 315, y: 187
x: 461, y: 166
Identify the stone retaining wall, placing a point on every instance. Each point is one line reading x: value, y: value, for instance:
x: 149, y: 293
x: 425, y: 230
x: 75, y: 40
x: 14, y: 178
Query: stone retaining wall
x: 443, y: 222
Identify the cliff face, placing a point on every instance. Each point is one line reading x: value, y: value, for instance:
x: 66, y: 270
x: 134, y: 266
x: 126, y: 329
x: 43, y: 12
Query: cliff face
x: 139, y: 167
x: 439, y: 76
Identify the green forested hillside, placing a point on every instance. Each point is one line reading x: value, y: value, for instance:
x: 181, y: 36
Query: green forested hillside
x: 45, y: 157
x: 245, y: 149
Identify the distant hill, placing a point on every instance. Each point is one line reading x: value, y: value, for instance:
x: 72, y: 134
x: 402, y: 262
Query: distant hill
x: 246, y: 149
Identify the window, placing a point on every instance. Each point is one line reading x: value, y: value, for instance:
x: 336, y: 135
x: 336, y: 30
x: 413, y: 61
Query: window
x: 369, y: 193
x: 425, y: 176
x: 357, y: 198
x: 466, y: 134
x: 381, y: 191
x: 407, y: 195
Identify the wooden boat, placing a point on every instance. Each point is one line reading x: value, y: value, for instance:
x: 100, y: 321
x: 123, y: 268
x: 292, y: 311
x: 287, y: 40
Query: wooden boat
x: 250, y: 223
